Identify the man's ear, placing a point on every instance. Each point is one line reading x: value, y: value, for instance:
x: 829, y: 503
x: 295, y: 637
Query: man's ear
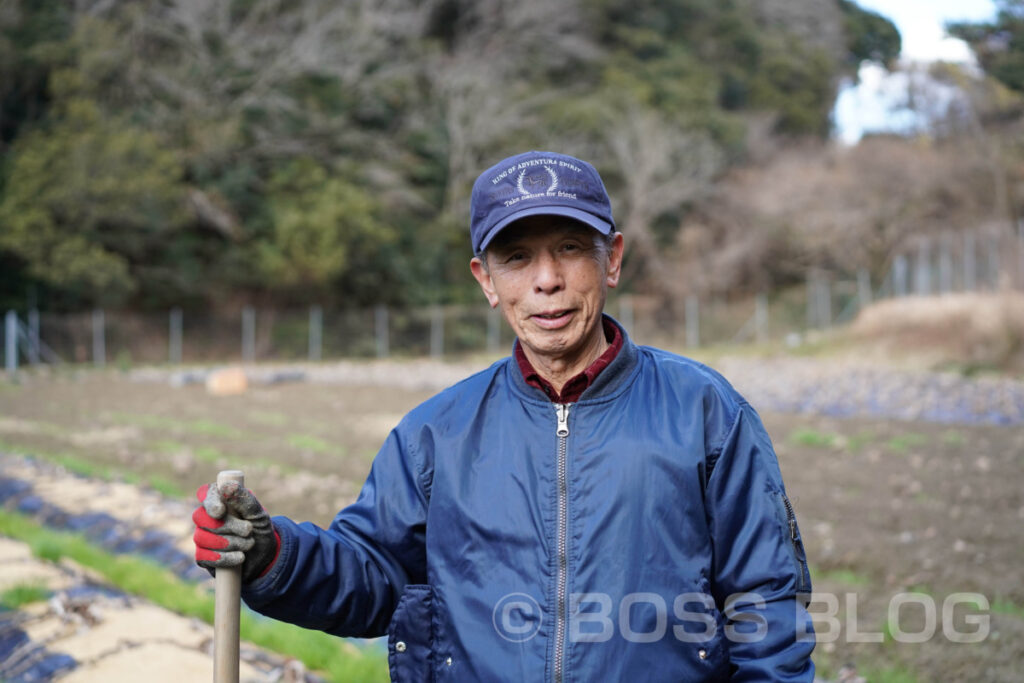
x: 484, y: 278
x: 615, y: 260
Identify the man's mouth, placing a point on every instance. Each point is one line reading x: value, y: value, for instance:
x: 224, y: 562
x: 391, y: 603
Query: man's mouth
x: 552, y: 319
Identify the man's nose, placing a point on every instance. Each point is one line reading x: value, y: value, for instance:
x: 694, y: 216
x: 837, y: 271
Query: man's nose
x: 548, y: 276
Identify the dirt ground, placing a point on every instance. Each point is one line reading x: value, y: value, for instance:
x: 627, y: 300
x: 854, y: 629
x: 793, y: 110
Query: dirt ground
x: 887, y: 509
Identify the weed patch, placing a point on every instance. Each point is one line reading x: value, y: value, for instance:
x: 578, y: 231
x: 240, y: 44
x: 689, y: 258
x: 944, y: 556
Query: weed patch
x: 319, y: 651
x: 904, y: 442
x: 847, y: 577
x: 210, y: 454
x: 202, y: 426
x: 813, y: 438
x: 1007, y: 608
x: 269, y: 418
x: 310, y: 443
x: 23, y: 594
x: 951, y: 437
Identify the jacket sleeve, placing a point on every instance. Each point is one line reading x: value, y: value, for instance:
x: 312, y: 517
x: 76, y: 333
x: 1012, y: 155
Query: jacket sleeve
x: 347, y: 579
x: 760, y: 578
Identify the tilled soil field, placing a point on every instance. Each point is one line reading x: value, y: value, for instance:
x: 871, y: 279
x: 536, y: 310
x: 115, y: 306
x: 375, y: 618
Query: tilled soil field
x: 901, y: 517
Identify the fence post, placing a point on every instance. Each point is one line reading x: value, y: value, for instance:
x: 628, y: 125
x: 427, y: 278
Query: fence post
x: 945, y: 265
x: 99, y: 338
x: 493, y: 330
x: 1020, y: 253
x: 863, y: 288
x: 899, y: 276
x: 248, y: 334
x: 970, y: 263
x: 11, y: 343
x: 33, y: 337
x: 380, y: 315
x: 923, y: 269
x: 436, y: 331
x: 626, y: 313
x: 316, y: 333
x: 174, y: 336
x: 812, y: 308
x: 824, y: 300
x: 692, y: 321
x: 992, y: 264
x: 761, y: 318
x: 819, y: 300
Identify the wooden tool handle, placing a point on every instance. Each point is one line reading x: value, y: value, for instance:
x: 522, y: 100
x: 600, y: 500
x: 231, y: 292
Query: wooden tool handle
x: 227, y: 607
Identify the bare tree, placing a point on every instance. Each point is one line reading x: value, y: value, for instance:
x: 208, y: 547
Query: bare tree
x: 486, y: 90
x: 844, y: 208
x: 662, y: 167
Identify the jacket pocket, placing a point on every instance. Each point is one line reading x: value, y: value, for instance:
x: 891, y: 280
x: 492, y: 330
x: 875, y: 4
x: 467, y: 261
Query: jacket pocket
x: 794, y: 541
x: 411, y: 636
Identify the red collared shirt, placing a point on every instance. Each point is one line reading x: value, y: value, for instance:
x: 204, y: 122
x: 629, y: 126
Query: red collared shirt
x: 572, y: 389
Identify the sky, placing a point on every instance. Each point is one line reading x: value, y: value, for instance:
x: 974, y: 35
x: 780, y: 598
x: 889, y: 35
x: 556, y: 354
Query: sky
x: 920, y: 23
x: 869, y: 105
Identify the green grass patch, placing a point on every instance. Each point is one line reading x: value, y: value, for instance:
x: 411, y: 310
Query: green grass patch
x: 844, y: 576
x: 142, y: 420
x: 214, y: 455
x: 887, y: 674
x: 813, y: 438
x: 310, y: 443
x: 41, y: 427
x: 319, y: 651
x: 269, y: 418
x: 901, y: 443
x: 95, y: 470
x: 210, y: 454
x: 169, y: 446
x: 826, y: 668
x: 69, y: 461
x: 166, y: 487
x: 859, y: 440
x: 211, y: 428
x: 202, y: 426
x: 23, y: 594
x: 952, y: 437
x: 80, y: 465
x: 1007, y: 608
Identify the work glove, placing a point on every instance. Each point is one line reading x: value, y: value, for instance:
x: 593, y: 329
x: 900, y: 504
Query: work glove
x: 232, y: 530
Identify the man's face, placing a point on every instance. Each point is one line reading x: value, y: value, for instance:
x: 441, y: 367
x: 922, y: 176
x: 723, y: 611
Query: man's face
x: 550, y: 280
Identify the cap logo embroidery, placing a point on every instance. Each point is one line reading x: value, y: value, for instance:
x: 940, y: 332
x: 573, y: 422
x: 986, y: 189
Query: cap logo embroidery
x: 536, y: 182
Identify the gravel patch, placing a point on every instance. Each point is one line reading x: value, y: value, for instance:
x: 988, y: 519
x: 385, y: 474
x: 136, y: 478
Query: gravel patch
x: 787, y: 385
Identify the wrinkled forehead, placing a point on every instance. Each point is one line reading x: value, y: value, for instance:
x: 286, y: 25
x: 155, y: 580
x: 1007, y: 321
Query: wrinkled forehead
x: 536, y: 227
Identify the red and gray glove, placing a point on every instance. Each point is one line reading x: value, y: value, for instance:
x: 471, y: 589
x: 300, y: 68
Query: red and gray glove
x: 232, y: 530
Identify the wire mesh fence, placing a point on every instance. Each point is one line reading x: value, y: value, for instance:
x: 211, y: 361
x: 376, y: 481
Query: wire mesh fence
x: 931, y: 266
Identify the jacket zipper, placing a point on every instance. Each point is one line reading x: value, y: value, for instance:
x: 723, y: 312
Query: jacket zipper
x: 794, y: 541
x: 562, y: 410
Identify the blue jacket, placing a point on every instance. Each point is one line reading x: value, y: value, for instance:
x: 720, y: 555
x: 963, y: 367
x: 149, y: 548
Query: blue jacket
x: 640, y: 534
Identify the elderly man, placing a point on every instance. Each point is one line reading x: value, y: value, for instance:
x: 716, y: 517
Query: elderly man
x: 585, y: 510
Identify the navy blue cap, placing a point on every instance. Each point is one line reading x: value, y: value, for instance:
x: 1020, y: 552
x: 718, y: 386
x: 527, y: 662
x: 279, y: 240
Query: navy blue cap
x: 537, y: 184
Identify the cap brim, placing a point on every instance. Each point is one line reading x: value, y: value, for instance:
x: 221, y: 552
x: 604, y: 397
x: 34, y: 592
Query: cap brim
x: 602, y: 226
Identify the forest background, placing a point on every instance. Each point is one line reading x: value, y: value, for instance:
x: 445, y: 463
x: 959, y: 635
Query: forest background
x: 163, y: 153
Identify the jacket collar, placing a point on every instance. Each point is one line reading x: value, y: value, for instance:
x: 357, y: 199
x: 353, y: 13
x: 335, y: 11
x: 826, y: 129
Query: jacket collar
x: 607, y: 383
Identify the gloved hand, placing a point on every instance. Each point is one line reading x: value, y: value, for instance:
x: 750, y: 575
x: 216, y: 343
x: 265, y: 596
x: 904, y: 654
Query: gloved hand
x: 233, y: 529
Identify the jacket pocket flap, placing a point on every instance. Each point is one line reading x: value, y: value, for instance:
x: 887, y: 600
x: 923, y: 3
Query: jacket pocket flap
x: 410, y: 635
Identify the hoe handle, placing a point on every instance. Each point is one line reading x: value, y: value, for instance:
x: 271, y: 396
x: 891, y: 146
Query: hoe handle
x: 227, y: 607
